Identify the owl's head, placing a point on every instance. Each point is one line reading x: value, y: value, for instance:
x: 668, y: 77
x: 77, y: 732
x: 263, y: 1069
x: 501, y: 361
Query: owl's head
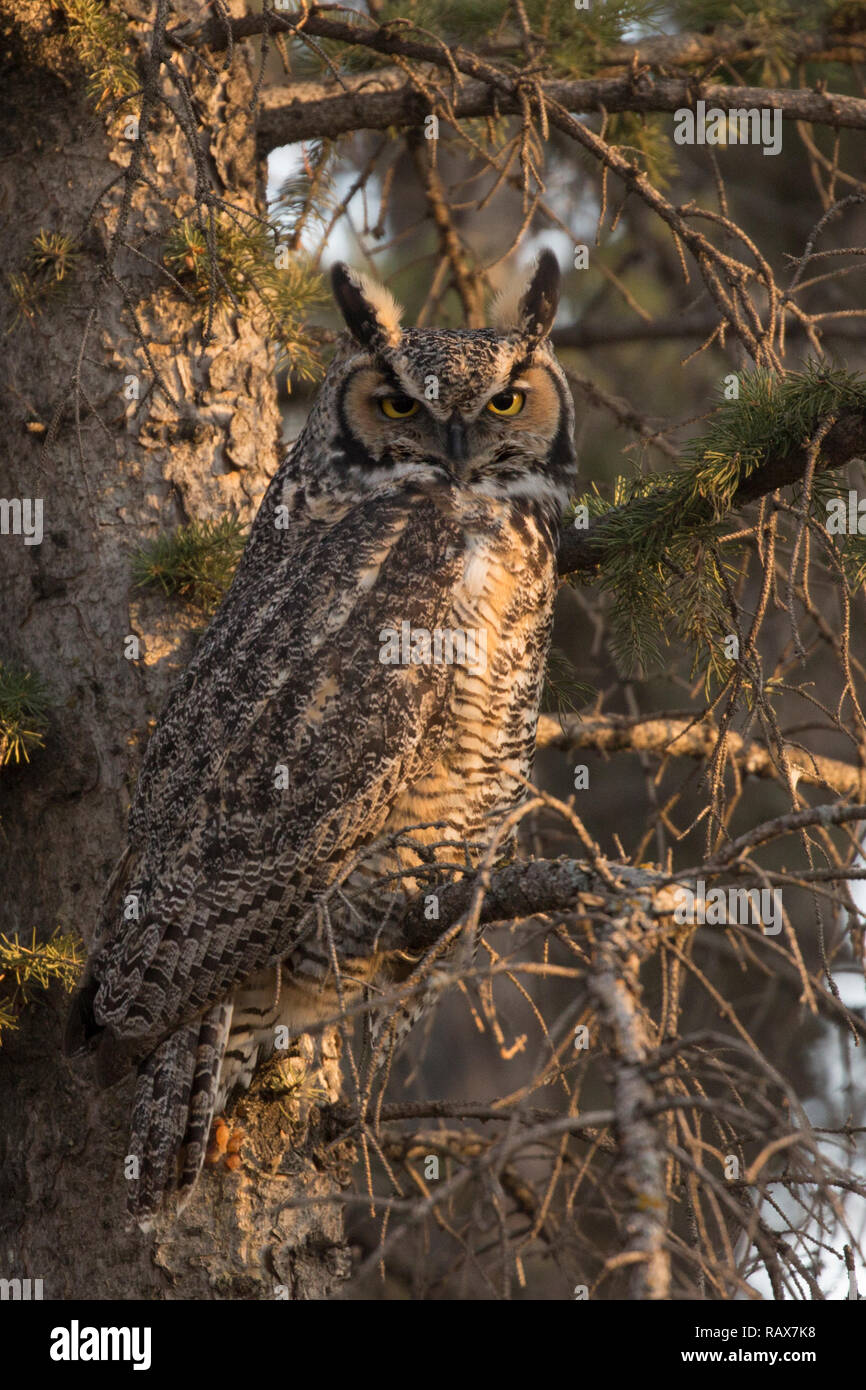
x: 487, y: 409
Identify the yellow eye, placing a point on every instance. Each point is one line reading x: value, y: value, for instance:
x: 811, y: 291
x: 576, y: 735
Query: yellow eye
x: 507, y: 403
x: 398, y: 407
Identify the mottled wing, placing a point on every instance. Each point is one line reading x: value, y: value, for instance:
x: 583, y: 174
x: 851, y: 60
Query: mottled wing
x: 287, y: 685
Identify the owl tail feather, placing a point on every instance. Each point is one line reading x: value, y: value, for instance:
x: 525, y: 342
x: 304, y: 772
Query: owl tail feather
x: 172, y: 1113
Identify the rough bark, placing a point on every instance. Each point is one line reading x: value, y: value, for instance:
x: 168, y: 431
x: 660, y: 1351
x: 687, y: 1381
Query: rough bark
x: 68, y: 605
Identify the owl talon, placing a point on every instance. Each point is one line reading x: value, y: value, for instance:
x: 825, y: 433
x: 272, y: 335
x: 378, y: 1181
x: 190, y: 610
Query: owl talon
x: 219, y: 1139
x: 225, y: 1143
x: 236, y: 1139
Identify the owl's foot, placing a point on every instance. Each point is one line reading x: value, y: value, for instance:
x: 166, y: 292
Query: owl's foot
x: 225, y: 1142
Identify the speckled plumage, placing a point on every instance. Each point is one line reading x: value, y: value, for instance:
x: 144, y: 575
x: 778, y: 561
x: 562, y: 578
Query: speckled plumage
x: 289, y: 745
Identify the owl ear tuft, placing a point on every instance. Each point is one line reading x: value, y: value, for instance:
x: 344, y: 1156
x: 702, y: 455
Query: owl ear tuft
x: 372, y: 314
x: 530, y: 311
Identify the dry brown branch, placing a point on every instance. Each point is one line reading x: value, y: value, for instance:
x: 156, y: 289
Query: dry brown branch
x: 467, y: 285
x: 615, y: 987
x: 316, y: 109
x: 685, y: 738
x: 584, y: 336
x: 381, y: 109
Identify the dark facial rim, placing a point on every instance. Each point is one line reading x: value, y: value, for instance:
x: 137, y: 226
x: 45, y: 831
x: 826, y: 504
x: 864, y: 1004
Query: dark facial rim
x: 561, y: 449
x: 352, y: 447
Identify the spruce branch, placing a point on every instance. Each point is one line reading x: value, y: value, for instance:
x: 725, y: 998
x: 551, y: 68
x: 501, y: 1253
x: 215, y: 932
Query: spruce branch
x: 247, y: 264
x: 98, y: 37
x: 372, y: 100
x: 197, y: 562
x: 756, y: 450
x: 378, y: 100
x: 24, y: 706
x: 755, y: 40
x: 522, y: 890
x: 50, y: 264
x: 26, y: 969
x: 464, y: 279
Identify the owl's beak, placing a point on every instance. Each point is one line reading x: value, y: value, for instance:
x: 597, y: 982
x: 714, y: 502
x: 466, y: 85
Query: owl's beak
x: 456, y: 443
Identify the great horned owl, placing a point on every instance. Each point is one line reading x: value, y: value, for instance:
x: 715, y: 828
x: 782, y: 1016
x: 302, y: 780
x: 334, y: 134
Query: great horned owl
x: 375, y: 668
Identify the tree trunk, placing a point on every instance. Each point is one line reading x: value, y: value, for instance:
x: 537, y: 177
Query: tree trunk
x: 69, y: 606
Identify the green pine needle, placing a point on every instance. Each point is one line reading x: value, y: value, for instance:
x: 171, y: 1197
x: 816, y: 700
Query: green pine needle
x: 249, y: 265
x: 25, y: 969
x: 45, y: 276
x: 661, y: 561
x: 99, y: 39
x: 196, y: 563
x: 24, y: 706
x: 564, y: 691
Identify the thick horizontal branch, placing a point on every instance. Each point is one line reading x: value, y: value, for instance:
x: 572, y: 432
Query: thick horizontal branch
x: 537, y: 887
x: 749, y: 40
x: 376, y: 101
x: 685, y: 738
x: 524, y: 890
x: 582, y: 550
x: 308, y: 110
